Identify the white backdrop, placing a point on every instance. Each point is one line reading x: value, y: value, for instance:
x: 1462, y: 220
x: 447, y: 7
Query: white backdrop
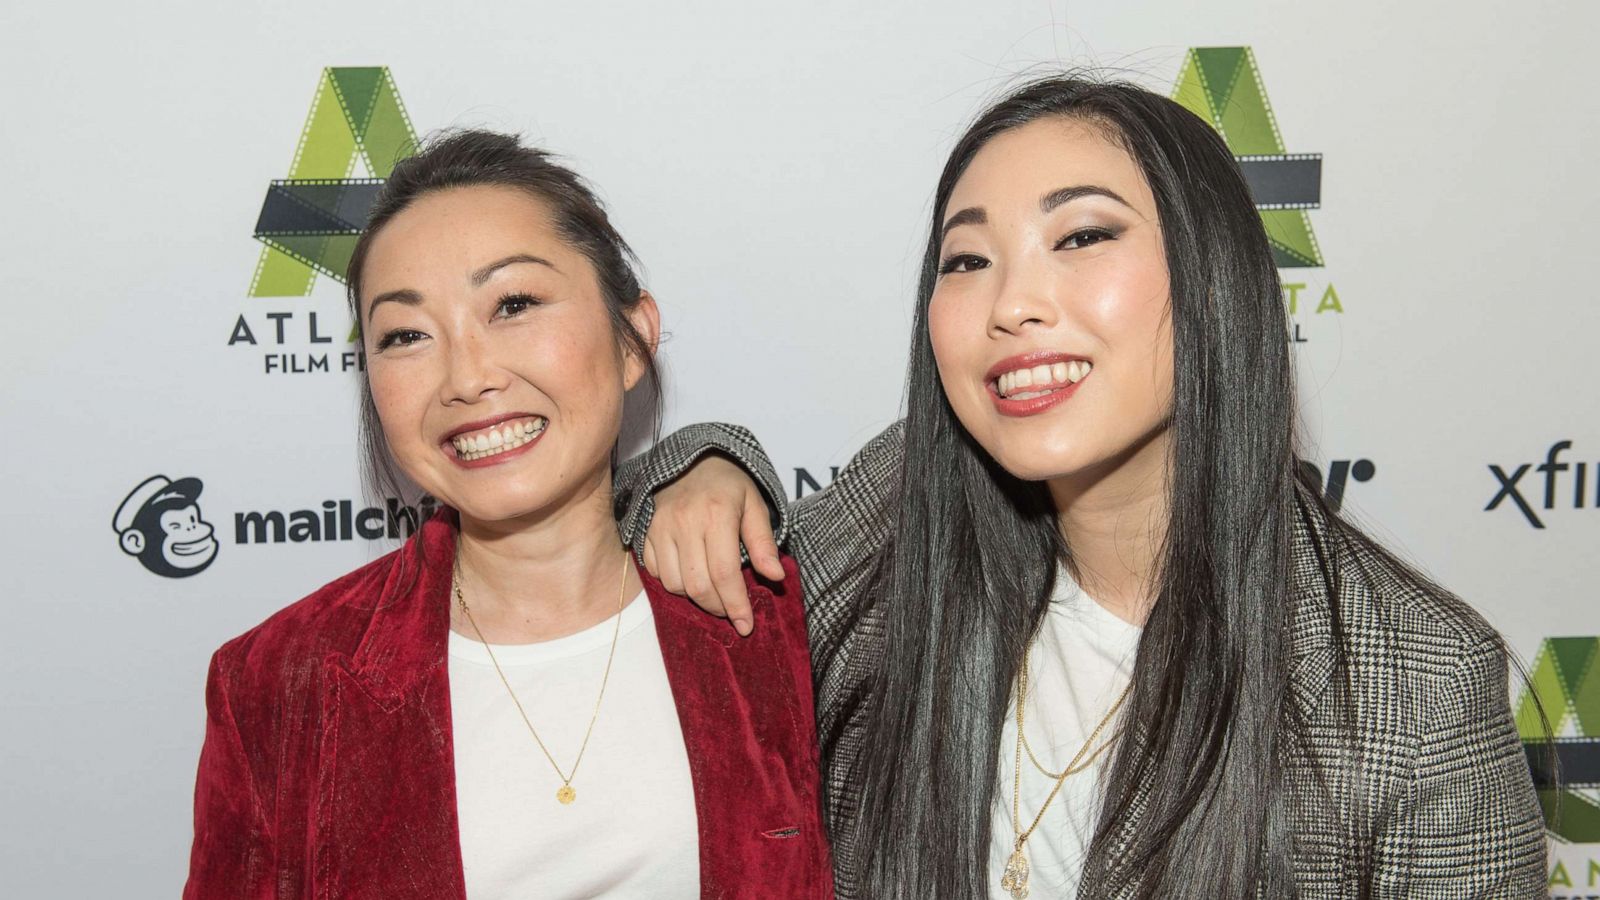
x: 773, y: 165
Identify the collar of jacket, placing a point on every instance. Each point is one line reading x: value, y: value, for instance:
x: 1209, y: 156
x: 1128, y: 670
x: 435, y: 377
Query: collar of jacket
x: 406, y: 639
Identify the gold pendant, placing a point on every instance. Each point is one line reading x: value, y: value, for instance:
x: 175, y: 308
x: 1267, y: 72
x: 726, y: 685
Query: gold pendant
x: 1015, y: 879
x: 566, y: 794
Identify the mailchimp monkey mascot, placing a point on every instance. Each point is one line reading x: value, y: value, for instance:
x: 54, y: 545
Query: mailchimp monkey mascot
x: 159, y: 522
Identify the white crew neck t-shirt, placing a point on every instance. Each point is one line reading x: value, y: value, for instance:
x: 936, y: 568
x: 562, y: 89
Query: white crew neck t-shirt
x: 1079, y: 665
x: 632, y: 832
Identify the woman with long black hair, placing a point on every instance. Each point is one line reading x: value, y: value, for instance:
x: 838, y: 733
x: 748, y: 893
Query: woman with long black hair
x: 1077, y: 626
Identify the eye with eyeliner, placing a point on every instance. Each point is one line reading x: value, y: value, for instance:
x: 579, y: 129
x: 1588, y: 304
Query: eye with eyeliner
x: 1086, y: 237
x: 962, y: 262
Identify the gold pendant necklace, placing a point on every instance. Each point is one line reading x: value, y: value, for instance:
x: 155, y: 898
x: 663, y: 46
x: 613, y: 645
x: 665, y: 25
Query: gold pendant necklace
x: 566, y: 793
x: 1015, y: 878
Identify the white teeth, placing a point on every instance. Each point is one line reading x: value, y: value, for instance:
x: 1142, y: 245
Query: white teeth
x: 1044, y: 379
x: 497, y: 440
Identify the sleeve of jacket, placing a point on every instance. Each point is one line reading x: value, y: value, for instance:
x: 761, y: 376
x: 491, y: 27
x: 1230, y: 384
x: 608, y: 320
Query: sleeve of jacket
x: 832, y: 534
x: 836, y: 533
x: 638, y: 478
x: 231, y: 856
x: 1469, y: 824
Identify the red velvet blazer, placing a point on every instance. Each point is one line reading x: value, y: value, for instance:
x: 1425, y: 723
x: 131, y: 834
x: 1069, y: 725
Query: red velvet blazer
x: 328, y: 768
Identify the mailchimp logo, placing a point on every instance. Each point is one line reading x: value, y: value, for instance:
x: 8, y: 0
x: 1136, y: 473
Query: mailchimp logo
x: 1556, y: 474
x: 160, y: 523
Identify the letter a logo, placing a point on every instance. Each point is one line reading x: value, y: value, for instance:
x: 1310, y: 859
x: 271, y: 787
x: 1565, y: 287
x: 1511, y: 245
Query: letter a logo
x: 1566, y: 681
x: 310, y: 220
x: 1223, y: 86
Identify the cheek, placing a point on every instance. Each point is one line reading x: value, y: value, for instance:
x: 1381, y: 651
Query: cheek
x: 957, y: 340
x: 399, y: 393
x: 1129, y: 313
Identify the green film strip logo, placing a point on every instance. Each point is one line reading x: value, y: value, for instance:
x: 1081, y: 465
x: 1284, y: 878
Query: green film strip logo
x: 1566, y: 682
x: 310, y: 220
x: 1223, y: 86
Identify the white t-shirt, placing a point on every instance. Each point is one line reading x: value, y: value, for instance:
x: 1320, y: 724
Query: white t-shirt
x: 632, y: 832
x: 1079, y: 665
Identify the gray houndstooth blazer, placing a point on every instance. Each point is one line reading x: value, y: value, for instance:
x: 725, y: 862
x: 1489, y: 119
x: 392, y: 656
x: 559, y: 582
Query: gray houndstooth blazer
x: 1445, y: 788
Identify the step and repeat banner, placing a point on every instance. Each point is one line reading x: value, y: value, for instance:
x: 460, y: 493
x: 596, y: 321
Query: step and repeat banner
x: 184, y: 185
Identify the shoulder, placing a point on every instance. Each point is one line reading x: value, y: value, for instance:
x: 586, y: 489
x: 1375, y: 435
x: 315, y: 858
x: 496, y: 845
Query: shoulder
x: 1398, y: 632
x: 1382, y: 599
x: 331, y: 619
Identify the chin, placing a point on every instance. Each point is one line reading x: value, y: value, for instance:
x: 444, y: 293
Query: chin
x: 1038, y: 460
x: 500, y: 507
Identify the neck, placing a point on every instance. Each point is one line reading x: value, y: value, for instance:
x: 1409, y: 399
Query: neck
x: 1114, y: 519
x: 545, y: 575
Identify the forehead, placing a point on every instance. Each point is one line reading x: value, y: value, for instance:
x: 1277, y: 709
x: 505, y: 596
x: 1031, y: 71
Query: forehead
x: 1023, y: 164
x: 445, y: 235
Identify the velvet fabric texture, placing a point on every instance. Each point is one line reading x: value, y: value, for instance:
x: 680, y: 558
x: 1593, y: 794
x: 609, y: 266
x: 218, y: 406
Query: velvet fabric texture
x: 328, y: 767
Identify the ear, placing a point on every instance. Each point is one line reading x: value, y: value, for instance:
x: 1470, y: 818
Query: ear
x: 646, y: 319
x: 133, y: 542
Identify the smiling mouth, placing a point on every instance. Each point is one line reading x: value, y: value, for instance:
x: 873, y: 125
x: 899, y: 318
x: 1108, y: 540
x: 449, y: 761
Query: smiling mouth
x: 193, y: 548
x: 501, y: 437
x: 1041, y: 380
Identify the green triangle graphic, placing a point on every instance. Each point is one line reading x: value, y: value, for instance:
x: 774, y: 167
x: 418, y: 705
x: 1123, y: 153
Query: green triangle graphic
x: 1566, y: 682
x: 1218, y: 66
x: 1223, y: 86
x: 1545, y: 690
x: 1289, y: 233
x: 358, y: 91
x: 1191, y: 91
x: 1573, y: 816
x: 355, y: 113
x: 1571, y: 657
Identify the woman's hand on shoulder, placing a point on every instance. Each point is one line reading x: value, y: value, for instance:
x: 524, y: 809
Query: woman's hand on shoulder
x: 693, y: 544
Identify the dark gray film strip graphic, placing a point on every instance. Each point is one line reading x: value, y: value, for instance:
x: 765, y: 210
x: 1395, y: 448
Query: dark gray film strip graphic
x: 1284, y: 180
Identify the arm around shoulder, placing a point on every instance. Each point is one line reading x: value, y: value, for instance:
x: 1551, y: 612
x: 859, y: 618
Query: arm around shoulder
x: 232, y: 851
x: 639, y: 478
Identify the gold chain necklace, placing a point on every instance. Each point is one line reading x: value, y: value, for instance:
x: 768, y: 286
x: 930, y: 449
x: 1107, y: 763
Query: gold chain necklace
x: 1015, y: 878
x: 565, y: 793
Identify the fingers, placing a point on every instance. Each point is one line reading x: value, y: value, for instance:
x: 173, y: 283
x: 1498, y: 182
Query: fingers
x: 755, y: 529
x: 726, y: 574
x: 650, y: 559
x: 671, y: 574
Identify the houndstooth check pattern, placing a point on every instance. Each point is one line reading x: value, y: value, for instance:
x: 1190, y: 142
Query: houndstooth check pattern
x: 1441, y: 786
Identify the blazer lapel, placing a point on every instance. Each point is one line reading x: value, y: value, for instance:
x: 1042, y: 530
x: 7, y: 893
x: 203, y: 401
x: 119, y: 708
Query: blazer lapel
x: 385, y: 816
x: 752, y: 750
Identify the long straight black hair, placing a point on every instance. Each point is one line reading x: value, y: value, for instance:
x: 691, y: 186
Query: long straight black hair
x: 970, y: 567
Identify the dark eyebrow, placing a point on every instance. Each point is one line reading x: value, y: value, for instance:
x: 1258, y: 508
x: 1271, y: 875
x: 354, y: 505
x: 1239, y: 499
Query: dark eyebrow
x: 404, y: 295
x: 972, y: 215
x: 1068, y: 194
x: 411, y: 298
x: 483, y: 274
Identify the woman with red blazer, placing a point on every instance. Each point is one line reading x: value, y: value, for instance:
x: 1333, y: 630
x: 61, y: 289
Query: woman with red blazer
x: 507, y: 706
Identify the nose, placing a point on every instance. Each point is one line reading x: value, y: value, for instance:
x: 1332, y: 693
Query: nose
x: 472, y: 375
x: 1024, y: 300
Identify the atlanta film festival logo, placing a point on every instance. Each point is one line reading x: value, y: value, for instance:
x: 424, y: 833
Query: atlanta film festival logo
x: 161, y: 525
